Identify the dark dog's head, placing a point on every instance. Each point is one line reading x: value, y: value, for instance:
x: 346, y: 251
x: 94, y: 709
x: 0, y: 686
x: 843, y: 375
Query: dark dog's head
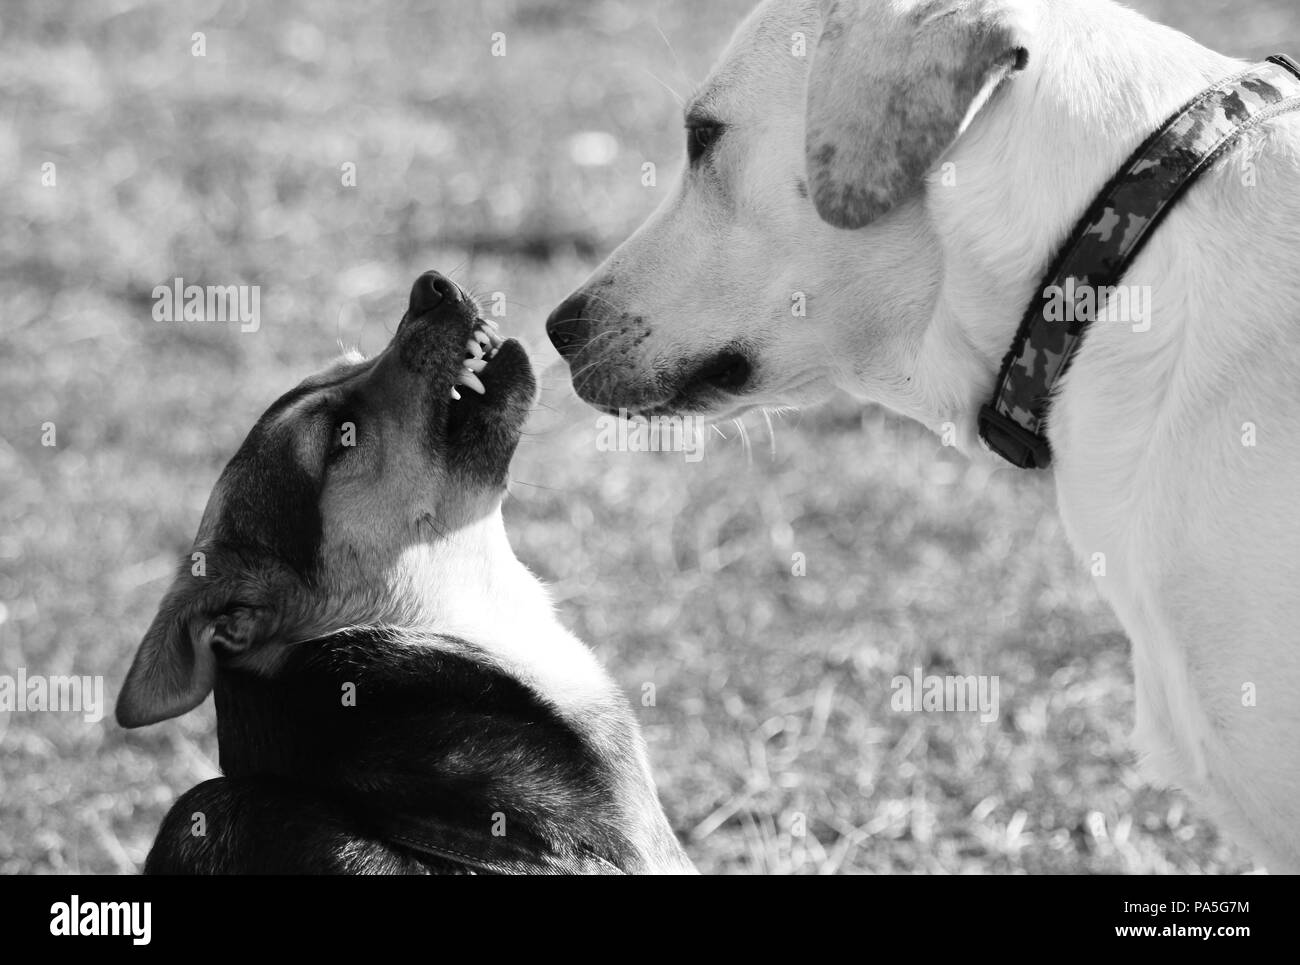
x: 370, y: 494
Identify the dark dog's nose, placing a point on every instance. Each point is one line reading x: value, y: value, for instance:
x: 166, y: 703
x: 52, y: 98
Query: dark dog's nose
x: 568, y: 327
x: 430, y: 290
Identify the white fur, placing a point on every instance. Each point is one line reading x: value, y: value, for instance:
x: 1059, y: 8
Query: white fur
x: 1201, y: 535
x: 471, y: 585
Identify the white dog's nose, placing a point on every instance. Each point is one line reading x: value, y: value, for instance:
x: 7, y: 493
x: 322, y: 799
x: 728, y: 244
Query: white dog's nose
x: 569, y: 327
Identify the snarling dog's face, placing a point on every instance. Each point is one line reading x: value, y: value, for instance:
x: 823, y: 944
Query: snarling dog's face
x: 744, y: 289
x: 370, y: 494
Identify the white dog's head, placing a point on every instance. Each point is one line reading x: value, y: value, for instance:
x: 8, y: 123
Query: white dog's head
x: 743, y: 289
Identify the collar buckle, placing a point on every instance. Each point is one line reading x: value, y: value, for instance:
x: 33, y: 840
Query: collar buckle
x: 1282, y: 60
x: 1012, y: 441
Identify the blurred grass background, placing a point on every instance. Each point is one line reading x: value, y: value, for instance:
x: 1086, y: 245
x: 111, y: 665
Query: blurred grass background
x: 516, y: 174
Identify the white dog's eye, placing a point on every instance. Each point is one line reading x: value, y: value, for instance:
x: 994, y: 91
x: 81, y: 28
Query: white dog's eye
x: 699, y: 138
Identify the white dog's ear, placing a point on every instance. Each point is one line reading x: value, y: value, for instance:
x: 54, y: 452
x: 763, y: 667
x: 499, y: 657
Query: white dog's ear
x: 890, y: 89
x: 175, y: 666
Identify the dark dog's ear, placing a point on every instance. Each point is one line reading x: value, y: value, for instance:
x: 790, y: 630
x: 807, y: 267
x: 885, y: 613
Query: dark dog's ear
x: 175, y: 666
x: 890, y: 88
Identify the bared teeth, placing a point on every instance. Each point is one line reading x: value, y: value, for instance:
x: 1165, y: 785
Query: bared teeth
x: 472, y: 381
x: 488, y: 335
x: 482, y: 345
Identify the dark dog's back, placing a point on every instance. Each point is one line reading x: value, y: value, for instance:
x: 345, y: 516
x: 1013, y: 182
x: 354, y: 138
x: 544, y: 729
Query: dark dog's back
x: 361, y: 753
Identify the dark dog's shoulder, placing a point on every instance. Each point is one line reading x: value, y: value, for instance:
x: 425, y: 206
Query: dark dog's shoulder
x: 399, y: 723
x: 262, y: 824
x: 372, y: 750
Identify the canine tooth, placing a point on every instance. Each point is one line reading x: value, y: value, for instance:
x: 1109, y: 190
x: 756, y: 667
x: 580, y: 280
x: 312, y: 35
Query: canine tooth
x: 471, y: 380
x: 487, y: 334
x: 474, y: 349
x: 454, y: 394
x: 475, y: 365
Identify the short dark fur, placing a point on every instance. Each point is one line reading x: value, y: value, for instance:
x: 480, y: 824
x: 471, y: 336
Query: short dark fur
x: 438, y: 748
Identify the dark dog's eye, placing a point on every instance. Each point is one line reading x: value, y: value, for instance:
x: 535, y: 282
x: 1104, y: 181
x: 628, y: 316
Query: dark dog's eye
x: 700, y: 138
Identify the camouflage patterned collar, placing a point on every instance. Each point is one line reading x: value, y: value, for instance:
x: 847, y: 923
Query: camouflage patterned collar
x: 1106, y: 241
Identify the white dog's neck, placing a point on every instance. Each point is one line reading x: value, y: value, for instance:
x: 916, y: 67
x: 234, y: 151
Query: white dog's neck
x: 1088, y: 105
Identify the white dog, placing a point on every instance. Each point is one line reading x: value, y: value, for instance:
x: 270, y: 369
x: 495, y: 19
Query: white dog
x: 961, y: 140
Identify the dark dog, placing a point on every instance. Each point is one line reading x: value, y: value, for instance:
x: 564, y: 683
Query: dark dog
x: 393, y: 691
